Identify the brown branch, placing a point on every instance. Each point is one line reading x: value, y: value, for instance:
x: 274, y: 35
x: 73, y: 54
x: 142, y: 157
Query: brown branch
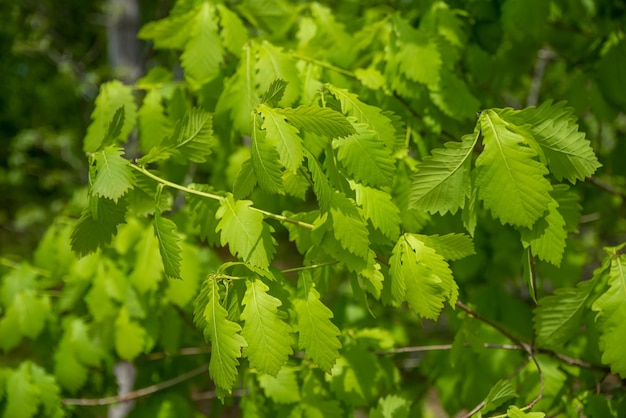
x: 444, y: 347
x: 607, y: 187
x: 139, y: 393
x: 212, y: 394
x: 187, y: 351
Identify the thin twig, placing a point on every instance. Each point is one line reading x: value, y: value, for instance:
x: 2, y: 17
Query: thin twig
x: 313, y: 266
x: 607, y: 187
x: 187, y: 351
x: 444, y: 347
x: 139, y: 393
x: 212, y: 394
x: 217, y: 197
x: 543, y: 57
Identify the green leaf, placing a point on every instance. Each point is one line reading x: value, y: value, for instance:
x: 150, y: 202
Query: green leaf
x: 10, y: 332
x: 49, y: 393
x: 569, y: 208
x: 392, y: 406
x: 282, y: 389
x: 421, y: 60
x: 169, y: 245
x: 510, y: 180
x: 611, y: 317
x: 321, y: 186
x: 148, y: 266
x: 113, y: 174
x: 421, y: 277
x: 226, y: 343
x: 265, y: 161
x: 364, y: 113
x: 129, y: 336
x: 245, y: 182
x: 317, y: 334
x: 284, y: 135
x: 203, y: 212
x: 32, y: 312
x: 22, y: 395
x: 442, y: 182
x: 548, y: 235
x: 366, y: 157
x: 267, y: 335
x: 319, y: 120
x: 192, y: 140
x: 449, y: 246
x: 154, y: 125
x: 554, y: 127
x: 558, y: 317
x: 170, y: 32
x: 274, y: 93
x: 203, y: 51
x: 273, y: 63
x: 379, y: 209
x: 454, y: 98
x: 234, y: 34
x: 501, y: 392
x: 348, y: 226
x: 515, y: 412
x: 76, y: 352
x: 97, y: 225
x: 113, y: 96
x: 243, y: 229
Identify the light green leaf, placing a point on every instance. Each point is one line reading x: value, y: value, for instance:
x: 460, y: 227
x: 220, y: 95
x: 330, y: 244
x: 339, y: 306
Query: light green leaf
x: 171, y: 32
x: 267, y: 335
x: 501, y: 392
x: 203, y: 51
x: 265, y: 161
x: 284, y: 135
x: 366, y: 157
x: 147, y: 266
x: 379, y: 209
x: 169, y: 245
x: 391, y: 406
x: 10, y: 332
x: 321, y: 186
x: 274, y: 93
x: 510, y: 180
x: 449, y: 246
x: 454, y: 98
x: 32, y: 312
x: 243, y: 229
x: 273, y: 63
x: 282, y: 389
x: 348, y: 226
x: 154, y: 125
x: 49, y: 393
x: 240, y: 96
x: 113, y: 174
x: 421, y: 277
x: 75, y: 353
x: 319, y: 120
x: 558, y: 317
x: 234, y: 34
x: 442, y: 182
x: 421, y: 60
x: 203, y: 212
x: 112, y: 96
x: 22, y: 395
x: 515, y: 412
x: 364, y: 113
x: 555, y: 128
x: 182, y: 292
x: 191, y: 140
x: 226, y: 343
x: 245, y: 182
x: 97, y: 225
x: 611, y: 317
x: 129, y: 336
x: 317, y: 334
x: 548, y: 235
x: 569, y: 208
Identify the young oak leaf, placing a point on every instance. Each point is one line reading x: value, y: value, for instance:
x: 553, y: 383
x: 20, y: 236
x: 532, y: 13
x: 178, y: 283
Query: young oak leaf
x: 284, y: 135
x: 243, y: 229
x: 169, y: 245
x: 319, y: 120
x: 265, y: 162
x: 317, y: 334
x: 226, y: 342
x: 129, y: 336
x: 349, y: 228
x: 113, y: 174
x: 379, y: 209
x: 267, y: 335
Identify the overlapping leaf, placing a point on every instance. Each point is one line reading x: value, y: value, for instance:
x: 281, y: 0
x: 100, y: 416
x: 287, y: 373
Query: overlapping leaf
x: 267, y: 335
x: 421, y: 277
x: 449, y: 246
x: 265, y: 162
x: 97, y: 225
x: 243, y: 229
x: 319, y: 120
x: 234, y: 34
x: 442, y: 182
x: 113, y: 96
x: 510, y: 179
x: 284, y: 135
x: 366, y: 157
x: 224, y: 335
x: 379, y: 209
x: 568, y: 153
x: 548, y: 235
x: 129, y: 336
x: 317, y: 334
x: 348, y: 226
x: 154, y: 125
x: 273, y: 63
